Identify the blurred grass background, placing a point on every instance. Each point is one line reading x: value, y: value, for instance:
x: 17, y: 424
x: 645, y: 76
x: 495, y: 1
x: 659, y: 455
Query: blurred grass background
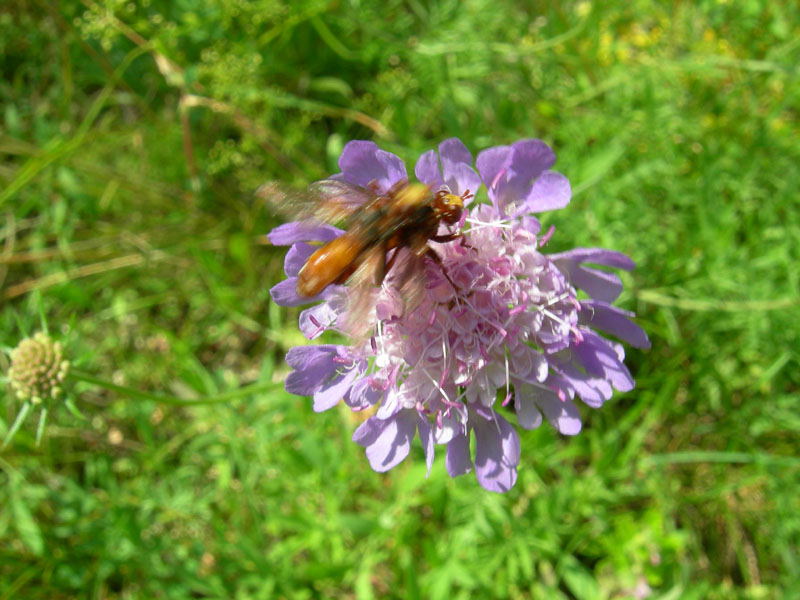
x: 133, y: 137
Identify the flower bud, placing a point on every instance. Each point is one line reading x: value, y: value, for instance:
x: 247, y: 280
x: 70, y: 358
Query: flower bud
x: 37, y: 369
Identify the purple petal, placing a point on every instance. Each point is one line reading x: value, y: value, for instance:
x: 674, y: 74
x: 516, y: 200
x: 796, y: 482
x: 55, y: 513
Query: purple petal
x: 600, y: 285
x: 597, y: 256
x: 602, y: 353
x: 363, y: 394
x: 594, y: 391
x: 551, y: 191
x: 313, y: 321
x: 529, y: 365
x: 509, y: 173
x: 491, y: 162
x: 390, y: 405
x: 426, y: 437
x: 614, y: 321
x: 457, y: 167
x: 497, y: 452
x: 427, y: 170
x: 562, y: 414
x: 296, y: 257
x: 285, y: 294
x: 528, y: 160
x: 312, y: 366
x: 458, y: 461
x: 332, y: 391
x: 366, y: 433
x: 387, y: 442
x: 528, y: 416
x: 531, y: 224
x: 463, y: 178
x: 363, y: 162
x: 451, y: 427
x: 453, y: 151
x: 302, y: 231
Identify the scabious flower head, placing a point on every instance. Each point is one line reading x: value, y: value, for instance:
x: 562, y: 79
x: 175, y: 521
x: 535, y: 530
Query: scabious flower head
x: 499, y: 330
x: 37, y: 369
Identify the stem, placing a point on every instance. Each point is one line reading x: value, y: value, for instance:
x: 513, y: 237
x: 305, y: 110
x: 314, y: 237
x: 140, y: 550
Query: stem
x: 40, y: 427
x: 241, y: 392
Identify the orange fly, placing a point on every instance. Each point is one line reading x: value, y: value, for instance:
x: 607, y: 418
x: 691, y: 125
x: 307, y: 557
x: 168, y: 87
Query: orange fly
x: 378, y: 227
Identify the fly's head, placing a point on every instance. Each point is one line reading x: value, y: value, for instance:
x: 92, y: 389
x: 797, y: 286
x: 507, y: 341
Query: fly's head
x: 448, y: 207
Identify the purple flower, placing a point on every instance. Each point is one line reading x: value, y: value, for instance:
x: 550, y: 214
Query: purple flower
x: 499, y: 325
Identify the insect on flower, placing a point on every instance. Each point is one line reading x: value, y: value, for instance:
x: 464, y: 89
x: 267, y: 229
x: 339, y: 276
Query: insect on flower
x: 379, y: 228
x: 454, y: 338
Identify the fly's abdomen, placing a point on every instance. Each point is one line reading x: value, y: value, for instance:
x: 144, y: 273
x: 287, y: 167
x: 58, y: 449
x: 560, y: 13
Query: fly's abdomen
x: 328, y: 264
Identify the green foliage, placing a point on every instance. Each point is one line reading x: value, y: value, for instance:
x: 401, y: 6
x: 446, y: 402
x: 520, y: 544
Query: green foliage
x: 132, y: 139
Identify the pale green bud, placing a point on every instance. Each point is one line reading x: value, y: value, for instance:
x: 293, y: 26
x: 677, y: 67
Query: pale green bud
x: 37, y: 369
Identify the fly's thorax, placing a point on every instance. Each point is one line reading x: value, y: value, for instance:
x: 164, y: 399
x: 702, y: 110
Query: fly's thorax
x: 408, y: 198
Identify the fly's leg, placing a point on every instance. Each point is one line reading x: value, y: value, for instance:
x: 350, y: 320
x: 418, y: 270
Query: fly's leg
x: 448, y: 237
x: 383, y: 267
x: 389, y: 263
x: 452, y: 237
x: 435, y: 258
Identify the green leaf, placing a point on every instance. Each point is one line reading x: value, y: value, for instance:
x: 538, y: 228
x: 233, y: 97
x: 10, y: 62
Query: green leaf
x: 578, y: 579
x: 25, y: 524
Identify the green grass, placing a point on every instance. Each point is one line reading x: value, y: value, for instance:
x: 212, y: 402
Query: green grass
x: 132, y: 138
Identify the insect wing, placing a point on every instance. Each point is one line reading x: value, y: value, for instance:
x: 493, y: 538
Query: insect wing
x: 362, y: 294
x: 328, y: 201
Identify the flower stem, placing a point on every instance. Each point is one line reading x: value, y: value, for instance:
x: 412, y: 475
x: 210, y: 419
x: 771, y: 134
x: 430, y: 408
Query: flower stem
x: 40, y: 426
x: 261, y: 386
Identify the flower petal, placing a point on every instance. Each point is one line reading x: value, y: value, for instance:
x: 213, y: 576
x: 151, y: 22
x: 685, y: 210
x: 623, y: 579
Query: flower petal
x: 285, y: 293
x: 605, y: 356
x: 497, y: 452
x: 528, y: 416
x: 296, y: 257
x: 458, y: 461
x: 363, y: 162
x: 388, y: 441
x: 613, y: 320
x: 363, y: 394
x: 312, y: 366
x: 451, y: 427
x: 426, y: 437
x: 550, y: 191
x: 457, y: 167
x: 302, y: 231
x: 528, y: 160
x: 594, y: 391
x: 427, y: 170
x: 453, y: 151
x: 597, y: 256
x: 332, y: 391
x: 313, y: 321
x: 461, y: 179
x: 562, y: 414
x: 491, y: 163
x: 600, y: 285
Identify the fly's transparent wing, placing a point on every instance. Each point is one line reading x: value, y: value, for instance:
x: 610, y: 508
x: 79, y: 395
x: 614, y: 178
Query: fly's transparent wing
x: 362, y: 294
x: 328, y: 201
